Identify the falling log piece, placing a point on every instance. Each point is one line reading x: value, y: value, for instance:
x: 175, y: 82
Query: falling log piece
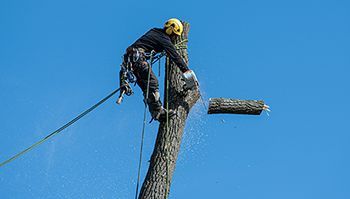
x: 235, y: 106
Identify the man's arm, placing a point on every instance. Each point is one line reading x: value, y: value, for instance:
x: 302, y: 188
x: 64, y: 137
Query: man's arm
x: 172, y: 53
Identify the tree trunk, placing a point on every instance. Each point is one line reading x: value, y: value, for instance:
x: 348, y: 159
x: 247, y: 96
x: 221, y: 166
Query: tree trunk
x: 163, y: 160
x: 235, y: 106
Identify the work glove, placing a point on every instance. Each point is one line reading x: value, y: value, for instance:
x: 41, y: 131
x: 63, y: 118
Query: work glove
x: 126, y: 89
x: 190, y: 79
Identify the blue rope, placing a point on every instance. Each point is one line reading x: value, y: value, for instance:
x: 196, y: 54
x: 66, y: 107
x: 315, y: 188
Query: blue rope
x: 59, y: 130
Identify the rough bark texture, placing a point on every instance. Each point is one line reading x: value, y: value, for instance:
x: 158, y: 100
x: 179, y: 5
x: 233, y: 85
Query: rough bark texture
x: 235, y: 106
x: 163, y: 160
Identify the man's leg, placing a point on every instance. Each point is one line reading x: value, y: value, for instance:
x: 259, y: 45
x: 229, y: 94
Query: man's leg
x: 153, y: 100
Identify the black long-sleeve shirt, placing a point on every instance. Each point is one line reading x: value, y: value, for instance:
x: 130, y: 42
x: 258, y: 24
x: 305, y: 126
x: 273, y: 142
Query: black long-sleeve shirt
x: 156, y: 39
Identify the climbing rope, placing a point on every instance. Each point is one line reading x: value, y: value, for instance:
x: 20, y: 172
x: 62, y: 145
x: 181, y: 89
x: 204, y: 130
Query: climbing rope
x: 144, y: 125
x: 178, y: 46
x: 60, y: 129
x: 167, y: 145
x: 167, y: 154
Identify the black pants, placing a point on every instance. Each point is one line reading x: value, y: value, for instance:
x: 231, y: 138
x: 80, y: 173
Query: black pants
x: 141, y: 71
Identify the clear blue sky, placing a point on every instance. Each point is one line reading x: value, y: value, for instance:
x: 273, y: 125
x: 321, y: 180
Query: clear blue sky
x: 57, y: 58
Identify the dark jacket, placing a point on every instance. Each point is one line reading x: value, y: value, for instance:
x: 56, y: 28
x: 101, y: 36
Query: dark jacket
x: 156, y: 39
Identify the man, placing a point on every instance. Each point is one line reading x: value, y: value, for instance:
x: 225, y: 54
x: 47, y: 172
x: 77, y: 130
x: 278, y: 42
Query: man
x: 135, y: 64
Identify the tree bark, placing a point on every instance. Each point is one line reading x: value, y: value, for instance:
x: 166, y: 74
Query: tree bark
x: 235, y: 106
x: 163, y: 160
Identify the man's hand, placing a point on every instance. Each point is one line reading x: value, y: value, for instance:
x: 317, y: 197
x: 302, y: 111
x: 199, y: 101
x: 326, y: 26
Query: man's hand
x: 191, y: 82
x: 126, y: 89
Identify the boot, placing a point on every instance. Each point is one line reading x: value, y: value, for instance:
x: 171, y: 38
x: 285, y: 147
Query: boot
x: 158, y: 112
x: 162, y: 115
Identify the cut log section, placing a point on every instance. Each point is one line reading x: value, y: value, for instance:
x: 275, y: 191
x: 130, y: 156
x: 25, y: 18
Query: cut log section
x: 236, y: 106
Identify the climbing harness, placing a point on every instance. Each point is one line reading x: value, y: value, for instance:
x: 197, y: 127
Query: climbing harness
x: 60, y: 129
x: 138, y: 54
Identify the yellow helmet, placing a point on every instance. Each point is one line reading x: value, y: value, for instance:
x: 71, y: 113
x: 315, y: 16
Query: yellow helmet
x: 173, y: 26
